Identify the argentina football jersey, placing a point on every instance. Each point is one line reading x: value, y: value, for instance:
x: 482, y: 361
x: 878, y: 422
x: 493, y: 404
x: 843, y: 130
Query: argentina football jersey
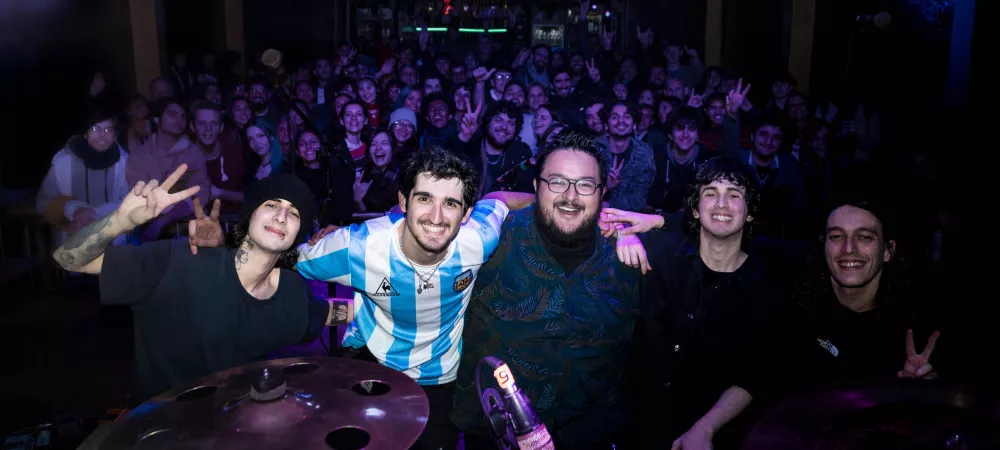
x: 409, y: 316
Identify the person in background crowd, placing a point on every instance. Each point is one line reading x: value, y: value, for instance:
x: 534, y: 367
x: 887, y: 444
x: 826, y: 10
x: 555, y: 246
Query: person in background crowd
x: 632, y: 162
x: 87, y: 178
x: 261, y: 139
x: 160, y: 155
x: 375, y: 190
x: 441, y: 128
x: 782, y: 183
x: 139, y: 127
x: 160, y: 89
x: 403, y: 126
x: 223, y: 155
x: 496, y: 152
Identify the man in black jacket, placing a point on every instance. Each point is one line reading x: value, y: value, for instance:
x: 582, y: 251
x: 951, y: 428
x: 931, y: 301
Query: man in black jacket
x: 707, y: 307
x: 503, y: 160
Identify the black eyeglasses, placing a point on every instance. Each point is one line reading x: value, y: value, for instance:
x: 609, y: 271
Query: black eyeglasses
x: 558, y: 185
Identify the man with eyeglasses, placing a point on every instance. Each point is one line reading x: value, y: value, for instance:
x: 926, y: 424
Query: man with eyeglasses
x: 556, y: 303
x: 86, y: 180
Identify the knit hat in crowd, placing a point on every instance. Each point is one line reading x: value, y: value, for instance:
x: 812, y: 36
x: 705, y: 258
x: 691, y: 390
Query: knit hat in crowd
x: 404, y: 114
x: 285, y: 187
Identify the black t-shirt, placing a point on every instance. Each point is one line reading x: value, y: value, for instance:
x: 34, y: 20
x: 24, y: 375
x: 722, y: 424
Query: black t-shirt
x: 192, y: 317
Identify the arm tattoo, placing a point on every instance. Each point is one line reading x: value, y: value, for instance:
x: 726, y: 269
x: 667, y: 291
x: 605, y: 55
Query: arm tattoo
x: 87, y: 244
x: 338, y: 312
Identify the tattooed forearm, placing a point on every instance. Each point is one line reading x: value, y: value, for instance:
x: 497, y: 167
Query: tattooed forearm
x: 87, y: 244
x: 340, y: 312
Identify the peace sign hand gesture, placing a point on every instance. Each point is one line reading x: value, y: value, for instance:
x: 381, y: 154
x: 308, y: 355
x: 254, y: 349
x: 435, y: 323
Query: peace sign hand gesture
x: 736, y: 97
x: 205, y: 231
x: 918, y: 365
x: 696, y: 100
x: 592, y: 71
x: 148, y: 200
x: 614, y: 175
x: 470, y: 121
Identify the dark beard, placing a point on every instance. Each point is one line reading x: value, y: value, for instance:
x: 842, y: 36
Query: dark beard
x: 584, y: 234
x: 492, y: 140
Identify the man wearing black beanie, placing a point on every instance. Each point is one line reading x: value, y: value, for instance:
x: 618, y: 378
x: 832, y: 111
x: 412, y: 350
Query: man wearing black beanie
x: 196, y: 314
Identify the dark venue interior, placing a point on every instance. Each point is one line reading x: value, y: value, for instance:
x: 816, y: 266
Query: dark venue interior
x: 852, y: 157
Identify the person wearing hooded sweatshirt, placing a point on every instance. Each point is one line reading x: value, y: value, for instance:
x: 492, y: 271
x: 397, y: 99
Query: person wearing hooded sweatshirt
x: 87, y: 178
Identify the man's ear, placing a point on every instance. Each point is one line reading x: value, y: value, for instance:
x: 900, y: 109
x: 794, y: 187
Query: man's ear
x: 534, y: 184
x: 191, y: 126
x: 890, y: 250
x: 468, y: 213
x: 156, y: 120
x: 402, y: 201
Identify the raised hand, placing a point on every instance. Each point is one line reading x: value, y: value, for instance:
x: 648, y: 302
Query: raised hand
x: 696, y: 100
x: 736, y: 97
x: 148, y: 200
x: 614, y: 175
x: 592, y: 71
x: 607, y: 39
x: 423, y: 38
x: 361, y: 189
x: 470, y: 121
x: 645, y: 37
x: 205, y: 231
x: 388, y: 67
x: 918, y: 365
x: 692, y: 53
x: 481, y: 74
x: 522, y: 57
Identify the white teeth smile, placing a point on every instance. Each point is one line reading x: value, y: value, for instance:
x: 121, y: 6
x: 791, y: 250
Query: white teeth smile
x: 851, y: 264
x: 568, y: 209
x: 434, y: 229
x: 722, y: 218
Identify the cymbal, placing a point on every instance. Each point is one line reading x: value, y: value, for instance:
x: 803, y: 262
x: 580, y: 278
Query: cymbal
x: 901, y: 414
x: 291, y: 403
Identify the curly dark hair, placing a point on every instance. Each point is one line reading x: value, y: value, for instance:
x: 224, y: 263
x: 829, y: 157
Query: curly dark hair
x: 510, y: 109
x: 578, y: 142
x: 241, y: 232
x: 440, y: 164
x: 723, y: 169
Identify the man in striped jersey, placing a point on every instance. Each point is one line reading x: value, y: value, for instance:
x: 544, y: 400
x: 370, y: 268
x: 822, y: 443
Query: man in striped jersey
x: 413, y: 275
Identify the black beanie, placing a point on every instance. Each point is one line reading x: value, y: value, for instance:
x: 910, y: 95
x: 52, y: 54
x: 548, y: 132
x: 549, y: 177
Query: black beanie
x: 286, y: 187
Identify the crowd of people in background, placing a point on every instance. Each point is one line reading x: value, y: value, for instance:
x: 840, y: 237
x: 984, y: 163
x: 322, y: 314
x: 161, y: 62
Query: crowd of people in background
x: 730, y: 198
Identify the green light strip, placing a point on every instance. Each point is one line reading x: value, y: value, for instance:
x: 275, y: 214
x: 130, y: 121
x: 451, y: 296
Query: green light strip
x: 460, y: 30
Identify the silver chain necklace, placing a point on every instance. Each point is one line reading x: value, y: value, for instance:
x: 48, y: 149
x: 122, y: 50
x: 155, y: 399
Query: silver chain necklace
x: 425, y: 278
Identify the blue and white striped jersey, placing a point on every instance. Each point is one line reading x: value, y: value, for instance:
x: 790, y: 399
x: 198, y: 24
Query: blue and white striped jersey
x: 419, y: 334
